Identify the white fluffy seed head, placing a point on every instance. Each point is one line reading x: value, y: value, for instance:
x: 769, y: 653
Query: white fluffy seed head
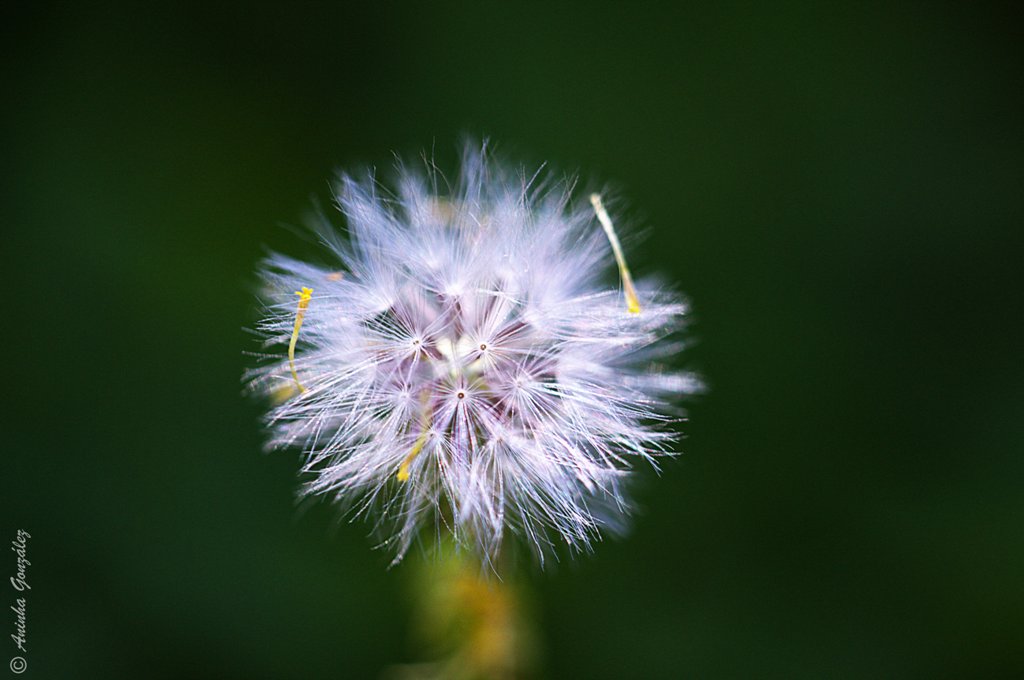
x: 469, y: 363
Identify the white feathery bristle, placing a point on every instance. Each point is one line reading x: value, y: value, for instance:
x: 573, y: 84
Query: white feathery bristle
x: 469, y: 363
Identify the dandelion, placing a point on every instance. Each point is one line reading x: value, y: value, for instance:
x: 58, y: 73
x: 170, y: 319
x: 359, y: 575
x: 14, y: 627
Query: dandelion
x: 467, y: 362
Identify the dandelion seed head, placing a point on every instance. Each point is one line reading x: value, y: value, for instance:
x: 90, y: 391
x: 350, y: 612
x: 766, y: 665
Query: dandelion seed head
x: 468, y: 363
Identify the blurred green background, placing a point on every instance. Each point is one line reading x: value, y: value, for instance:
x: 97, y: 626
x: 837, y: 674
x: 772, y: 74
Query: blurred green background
x: 837, y: 187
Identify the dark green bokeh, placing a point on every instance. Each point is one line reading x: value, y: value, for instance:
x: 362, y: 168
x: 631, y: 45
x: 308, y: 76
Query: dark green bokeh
x: 839, y: 190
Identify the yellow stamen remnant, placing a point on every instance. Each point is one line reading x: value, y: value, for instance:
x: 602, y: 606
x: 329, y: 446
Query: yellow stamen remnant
x: 304, y: 297
x: 632, y: 302
x: 403, y: 470
x: 283, y: 393
x: 421, y: 441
